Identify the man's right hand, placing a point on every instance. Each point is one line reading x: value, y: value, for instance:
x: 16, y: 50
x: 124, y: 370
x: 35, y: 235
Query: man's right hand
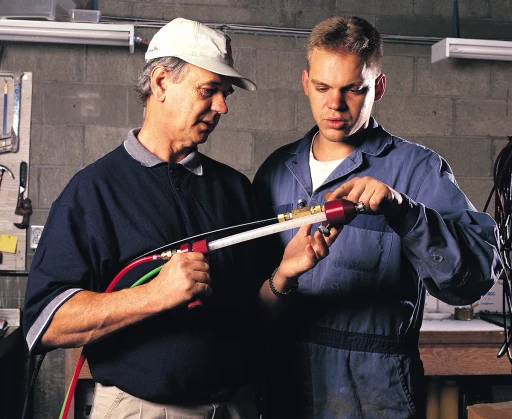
x: 88, y: 316
x: 183, y: 278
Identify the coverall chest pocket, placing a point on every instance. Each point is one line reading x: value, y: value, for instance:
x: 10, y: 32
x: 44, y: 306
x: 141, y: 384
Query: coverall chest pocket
x: 358, y: 257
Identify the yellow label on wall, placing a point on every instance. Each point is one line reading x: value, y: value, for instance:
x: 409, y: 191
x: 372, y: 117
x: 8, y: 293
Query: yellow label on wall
x: 8, y: 243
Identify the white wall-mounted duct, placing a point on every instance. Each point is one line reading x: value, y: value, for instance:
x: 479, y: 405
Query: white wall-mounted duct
x: 479, y: 49
x: 68, y: 32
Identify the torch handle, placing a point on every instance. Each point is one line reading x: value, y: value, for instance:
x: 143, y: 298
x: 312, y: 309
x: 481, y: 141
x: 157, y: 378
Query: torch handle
x: 200, y: 246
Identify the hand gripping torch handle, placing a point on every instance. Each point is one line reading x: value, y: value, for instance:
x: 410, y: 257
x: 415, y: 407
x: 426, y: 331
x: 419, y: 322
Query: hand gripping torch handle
x: 200, y: 246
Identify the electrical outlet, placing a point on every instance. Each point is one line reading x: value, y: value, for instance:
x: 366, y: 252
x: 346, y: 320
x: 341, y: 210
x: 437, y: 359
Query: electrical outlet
x: 35, y: 235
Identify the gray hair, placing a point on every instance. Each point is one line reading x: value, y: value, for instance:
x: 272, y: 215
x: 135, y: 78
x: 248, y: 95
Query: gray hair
x: 175, y: 67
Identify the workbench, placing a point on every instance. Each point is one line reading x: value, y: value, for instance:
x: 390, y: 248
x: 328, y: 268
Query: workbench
x: 457, y: 347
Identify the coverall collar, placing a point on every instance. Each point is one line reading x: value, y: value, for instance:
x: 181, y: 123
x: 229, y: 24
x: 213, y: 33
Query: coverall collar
x: 376, y: 140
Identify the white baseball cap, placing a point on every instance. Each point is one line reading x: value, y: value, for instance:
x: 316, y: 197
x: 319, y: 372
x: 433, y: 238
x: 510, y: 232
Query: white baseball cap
x: 199, y: 45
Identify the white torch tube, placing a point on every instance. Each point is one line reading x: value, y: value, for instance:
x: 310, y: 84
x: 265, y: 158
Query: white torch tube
x: 265, y: 231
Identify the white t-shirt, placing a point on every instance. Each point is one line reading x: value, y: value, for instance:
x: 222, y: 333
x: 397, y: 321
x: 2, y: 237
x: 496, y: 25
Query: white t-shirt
x: 320, y: 170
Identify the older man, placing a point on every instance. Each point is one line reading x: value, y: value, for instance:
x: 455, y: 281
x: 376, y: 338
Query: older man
x: 150, y: 356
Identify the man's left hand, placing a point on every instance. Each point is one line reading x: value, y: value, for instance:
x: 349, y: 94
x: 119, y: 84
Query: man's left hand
x: 304, y: 251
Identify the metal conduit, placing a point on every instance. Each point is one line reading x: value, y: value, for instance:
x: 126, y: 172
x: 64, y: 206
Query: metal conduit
x: 270, y: 30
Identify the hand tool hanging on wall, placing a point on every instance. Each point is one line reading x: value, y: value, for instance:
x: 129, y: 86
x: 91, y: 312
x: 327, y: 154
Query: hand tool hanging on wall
x: 9, y: 142
x: 4, y: 169
x: 4, y: 124
x: 24, y: 205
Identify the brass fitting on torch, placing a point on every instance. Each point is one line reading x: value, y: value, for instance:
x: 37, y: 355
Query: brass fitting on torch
x: 300, y: 212
x: 168, y: 254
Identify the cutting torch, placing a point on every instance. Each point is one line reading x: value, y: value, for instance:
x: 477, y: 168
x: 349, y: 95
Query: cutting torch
x: 336, y: 212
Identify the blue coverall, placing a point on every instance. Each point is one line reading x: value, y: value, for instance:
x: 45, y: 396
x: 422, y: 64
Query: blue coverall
x: 347, y: 345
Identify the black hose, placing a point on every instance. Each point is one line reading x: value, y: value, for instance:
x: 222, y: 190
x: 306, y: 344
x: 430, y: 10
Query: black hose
x: 31, y: 386
x: 502, y: 191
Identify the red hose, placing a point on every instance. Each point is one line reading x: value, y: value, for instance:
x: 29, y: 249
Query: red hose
x: 128, y: 267
x: 81, y: 359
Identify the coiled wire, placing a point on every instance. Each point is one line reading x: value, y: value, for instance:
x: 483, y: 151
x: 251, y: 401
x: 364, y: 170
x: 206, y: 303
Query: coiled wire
x: 502, y: 191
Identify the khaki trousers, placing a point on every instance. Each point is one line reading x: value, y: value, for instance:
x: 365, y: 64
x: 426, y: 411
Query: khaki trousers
x: 113, y: 403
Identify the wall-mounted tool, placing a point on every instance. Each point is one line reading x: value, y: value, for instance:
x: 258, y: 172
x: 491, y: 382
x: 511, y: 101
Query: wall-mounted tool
x: 24, y: 205
x: 10, y: 142
x: 4, y: 169
x: 4, y: 123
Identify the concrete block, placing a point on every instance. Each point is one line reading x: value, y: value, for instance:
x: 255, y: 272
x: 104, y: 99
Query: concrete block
x: 116, y: 8
x: 498, y: 146
x: 235, y: 3
x: 10, y: 302
x: 48, y: 390
x: 279, y: 43
x: 301, y: 44
x: 57, y: 145
x: 416, y: 115
x: 475, y: 8
x: 266, y: 142
x: 477, y: 191
x: 484, y: 29
x: 476, y: 152
x: 33, y: 189
x: 453, y: 78
x: 39, y: 216
x: 79, y: 103
x: 280, y: 69
x: 37, y: 103
x: 393, y: 7
x: 245, y: 62
x: 122, y: 67
x: 305, y: 120
x: 415, y: 25
x: 501, y: 80
x: 100, y: 140
x: 135, y: 110
x: 260, y: 110
x: 47, y: 62
x: 501, y: 9
x: 399, y: 73
x: 410, y: 50
x: 305, y: 5
x: 12, y: 292
x: 217, y: 14
x: 355, y: 6
x: 483, y: 117
x: 374, y: 110
x: 52, y: 181
x: 310, y: 19
x: 30, y: 258
x: 234, y: 148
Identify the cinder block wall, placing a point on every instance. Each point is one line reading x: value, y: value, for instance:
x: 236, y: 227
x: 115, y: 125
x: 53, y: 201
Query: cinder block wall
x: 84, y: 102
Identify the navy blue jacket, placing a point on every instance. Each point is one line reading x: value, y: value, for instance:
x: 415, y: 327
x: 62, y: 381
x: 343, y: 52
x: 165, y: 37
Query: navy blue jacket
x: 118, y: 208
